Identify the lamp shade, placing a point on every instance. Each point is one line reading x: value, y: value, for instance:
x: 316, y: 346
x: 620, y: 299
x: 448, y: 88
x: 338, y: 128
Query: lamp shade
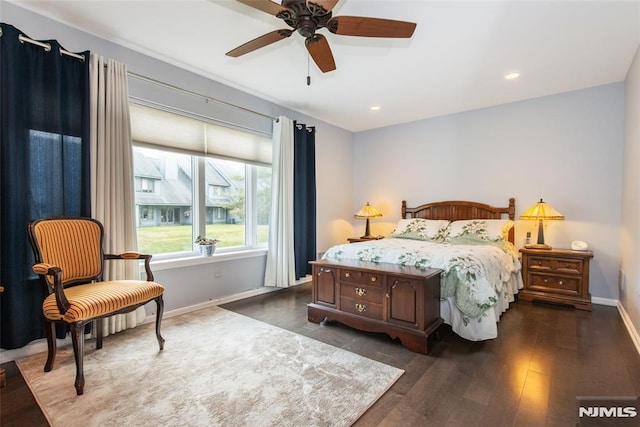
x: 368, y: 211
x: 541, y: 210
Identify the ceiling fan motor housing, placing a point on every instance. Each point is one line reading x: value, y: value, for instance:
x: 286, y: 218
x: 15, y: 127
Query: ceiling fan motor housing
x: 305, y: 20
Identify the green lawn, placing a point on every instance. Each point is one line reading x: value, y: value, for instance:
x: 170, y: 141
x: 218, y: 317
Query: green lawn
x: 177, y: 238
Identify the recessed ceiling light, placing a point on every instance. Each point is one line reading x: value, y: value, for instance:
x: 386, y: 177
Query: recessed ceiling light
x: 512, y: 76
x: 375, y: 108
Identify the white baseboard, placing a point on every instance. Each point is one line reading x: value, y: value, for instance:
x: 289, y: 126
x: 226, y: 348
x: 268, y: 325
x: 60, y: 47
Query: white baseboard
x: 217, y: 301
x: 633, y: 332
x: 604, y: 301
x: 40, y: 346
x: 34, y: 347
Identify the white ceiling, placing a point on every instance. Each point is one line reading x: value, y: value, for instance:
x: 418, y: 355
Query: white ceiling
x: 455, y: 61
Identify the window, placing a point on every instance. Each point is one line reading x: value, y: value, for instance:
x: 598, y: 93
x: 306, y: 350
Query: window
x: 164, y: 217
x: 146, y: 185
x: 182, y: 194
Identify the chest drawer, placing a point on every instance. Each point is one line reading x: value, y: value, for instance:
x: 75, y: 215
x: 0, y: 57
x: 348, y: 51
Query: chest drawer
x: 561, y: 284
x: 362, y: 307
x: 356, y: 291
x: 559, y: 265
x: 361, y: 277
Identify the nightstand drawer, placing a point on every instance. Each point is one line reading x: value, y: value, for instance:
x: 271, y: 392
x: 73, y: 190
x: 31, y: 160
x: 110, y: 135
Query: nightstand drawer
x: 560, y: 265
x: 561, y: 284
x: 361, y: 292
x: 361, y: 308
x: 360, y: 277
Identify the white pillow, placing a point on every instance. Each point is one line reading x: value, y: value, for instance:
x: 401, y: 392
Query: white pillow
x: 433, y: 230
x: 491, y: 230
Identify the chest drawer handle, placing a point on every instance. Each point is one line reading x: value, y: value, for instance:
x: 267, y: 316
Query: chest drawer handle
x: 361, y: 308
x: 373, y: 279
x: 567, y: 266
x: 546, y: 280
x: 560, y: 283
x: 347, y: 274
x: 360, y: 291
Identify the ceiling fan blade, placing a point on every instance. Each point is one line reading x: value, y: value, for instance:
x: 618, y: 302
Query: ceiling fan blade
x: 268, y: 6
x: 370, y: 27
x: 259, y: 42
x: 319, y: 49
x: 321, y: 6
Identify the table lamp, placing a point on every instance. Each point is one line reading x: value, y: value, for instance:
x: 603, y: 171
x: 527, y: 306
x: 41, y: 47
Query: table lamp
x: 367, y: 212
x: 541, y: 211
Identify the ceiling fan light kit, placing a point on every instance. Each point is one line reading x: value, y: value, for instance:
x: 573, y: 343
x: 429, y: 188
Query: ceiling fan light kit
x: 308, y: 16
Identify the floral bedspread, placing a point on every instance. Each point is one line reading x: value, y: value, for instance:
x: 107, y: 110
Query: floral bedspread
x: 475, y: 275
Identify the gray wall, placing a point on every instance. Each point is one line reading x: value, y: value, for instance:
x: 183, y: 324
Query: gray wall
x: 630, y: 231
x: 191, y: 285
x: 565, y: 148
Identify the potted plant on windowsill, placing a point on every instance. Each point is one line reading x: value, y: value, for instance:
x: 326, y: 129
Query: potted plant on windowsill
x: 207, y: 246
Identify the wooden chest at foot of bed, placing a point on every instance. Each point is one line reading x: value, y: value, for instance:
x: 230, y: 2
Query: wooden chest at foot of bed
x: 403, y: 302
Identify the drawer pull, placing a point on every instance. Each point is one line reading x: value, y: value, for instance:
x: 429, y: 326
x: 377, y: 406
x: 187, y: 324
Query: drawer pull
x: 360, y: 291
x: 546, y: 280
x: 347, y: 274
x: 361, y: 308
x: 373, y: 279
x: 560, y: 283
x: 567, y: 266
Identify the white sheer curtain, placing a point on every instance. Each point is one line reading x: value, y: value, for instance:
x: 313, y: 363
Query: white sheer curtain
x: 112, y: 186
x: 280, y: 270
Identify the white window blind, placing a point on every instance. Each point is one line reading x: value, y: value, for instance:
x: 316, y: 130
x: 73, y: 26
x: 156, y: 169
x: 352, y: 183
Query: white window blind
x: 185, y: 134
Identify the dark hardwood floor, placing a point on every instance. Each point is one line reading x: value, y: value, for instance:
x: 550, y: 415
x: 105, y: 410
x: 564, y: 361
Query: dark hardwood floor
x: 545, y: 356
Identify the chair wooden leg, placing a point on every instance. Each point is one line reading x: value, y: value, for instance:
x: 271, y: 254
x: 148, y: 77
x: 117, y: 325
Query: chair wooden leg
x: 50, y: 331
x: 99, y: 323
x: 159, y: 311
x: 77, y: 337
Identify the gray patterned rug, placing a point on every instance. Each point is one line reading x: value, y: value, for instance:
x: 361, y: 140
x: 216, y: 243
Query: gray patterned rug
x: 218, y: 368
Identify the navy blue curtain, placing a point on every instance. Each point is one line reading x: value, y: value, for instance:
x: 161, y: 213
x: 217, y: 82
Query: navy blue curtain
x: 44, y: 166
x: 304, y: 197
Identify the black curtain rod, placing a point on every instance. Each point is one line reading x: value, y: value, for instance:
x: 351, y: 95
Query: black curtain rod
x: 309, y: 128
x: 47, y: 47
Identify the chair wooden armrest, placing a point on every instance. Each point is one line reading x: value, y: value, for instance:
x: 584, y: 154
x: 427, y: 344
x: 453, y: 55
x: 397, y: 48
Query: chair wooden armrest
x: 134, y: 255
x: 43, y: 269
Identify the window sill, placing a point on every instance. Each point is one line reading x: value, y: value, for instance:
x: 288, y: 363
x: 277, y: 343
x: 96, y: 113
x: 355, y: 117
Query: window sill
x: 166, y: 264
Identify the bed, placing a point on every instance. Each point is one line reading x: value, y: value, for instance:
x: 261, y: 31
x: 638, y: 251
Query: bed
x: 471, y: 242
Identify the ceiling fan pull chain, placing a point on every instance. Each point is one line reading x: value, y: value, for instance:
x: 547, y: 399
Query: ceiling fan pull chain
x: 308, y: 76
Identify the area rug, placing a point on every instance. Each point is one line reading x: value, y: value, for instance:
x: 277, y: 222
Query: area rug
x: 218, y: 368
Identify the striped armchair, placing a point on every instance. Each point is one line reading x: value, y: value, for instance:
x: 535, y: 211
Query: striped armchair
x: 69, y: 260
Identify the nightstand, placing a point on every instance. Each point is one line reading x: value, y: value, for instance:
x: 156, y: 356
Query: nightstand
x: 556, y: 275
x: 363, y: 239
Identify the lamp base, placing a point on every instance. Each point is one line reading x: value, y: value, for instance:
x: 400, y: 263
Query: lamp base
x: 369, y: 237
x: 539, y: 246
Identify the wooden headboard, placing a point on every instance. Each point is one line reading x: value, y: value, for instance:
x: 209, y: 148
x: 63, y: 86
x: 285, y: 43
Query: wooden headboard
x: 455, y: 209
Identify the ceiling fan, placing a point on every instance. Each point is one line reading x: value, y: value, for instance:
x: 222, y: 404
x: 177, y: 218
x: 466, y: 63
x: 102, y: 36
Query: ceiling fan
x: 307, y: 16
